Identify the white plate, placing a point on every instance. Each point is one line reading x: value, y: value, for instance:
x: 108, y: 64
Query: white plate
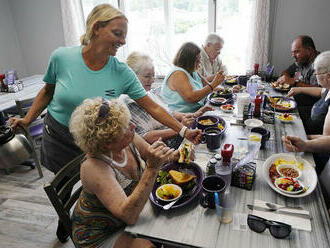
x: 308, y: 177
x: 251, y: 123
x: 226, y: 110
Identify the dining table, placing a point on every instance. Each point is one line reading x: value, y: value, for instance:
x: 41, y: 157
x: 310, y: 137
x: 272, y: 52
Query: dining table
x: 31, y: 87
x: 195, y: 226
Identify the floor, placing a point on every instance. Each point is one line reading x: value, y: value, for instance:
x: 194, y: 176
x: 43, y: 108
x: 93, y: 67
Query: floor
x: 27, y: 218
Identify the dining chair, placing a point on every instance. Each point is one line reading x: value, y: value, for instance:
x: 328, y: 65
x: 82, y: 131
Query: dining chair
x: 61, y: 185
x: 33, y: 132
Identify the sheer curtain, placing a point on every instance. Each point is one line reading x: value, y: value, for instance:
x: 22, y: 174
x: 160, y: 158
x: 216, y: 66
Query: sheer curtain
x: 259, y: 42
x: 73, y: 21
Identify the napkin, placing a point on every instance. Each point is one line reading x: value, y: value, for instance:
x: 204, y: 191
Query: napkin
x: 295, y: 222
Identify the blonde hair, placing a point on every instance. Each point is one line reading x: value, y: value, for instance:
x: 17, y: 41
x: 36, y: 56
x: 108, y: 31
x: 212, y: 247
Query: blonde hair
x: 138, y: 62
x: 101, y: 14
x: 91, y: 132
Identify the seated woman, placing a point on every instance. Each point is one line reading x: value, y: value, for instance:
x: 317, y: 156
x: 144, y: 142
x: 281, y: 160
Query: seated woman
x: 117, y: 176
x: 183, y: 89
x: 146, y: 126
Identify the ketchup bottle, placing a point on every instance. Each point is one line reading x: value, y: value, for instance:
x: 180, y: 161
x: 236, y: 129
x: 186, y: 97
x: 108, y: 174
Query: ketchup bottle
x: 257, y: 103
x: 225, y: 168
x: 256, y: 69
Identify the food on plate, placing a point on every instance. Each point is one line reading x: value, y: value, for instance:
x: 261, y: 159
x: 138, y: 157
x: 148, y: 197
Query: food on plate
x: 279, y: 86
x: 169, y: 192
x: 230, y: 79
x: 227, y: 107
x: 285, y: 117
x: 273, y: 172
x: 289, y: 172
x: 185, y: 153
x: 280, y: 103
x: 289, y: 184
x: 221, y: 127
x: 219, y: 99
x: 206, y: 122
x: 180, y: 177
x: 222, y: 91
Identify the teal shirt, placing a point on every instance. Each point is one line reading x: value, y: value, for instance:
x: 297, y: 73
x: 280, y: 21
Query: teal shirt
x: 174, y: 100
x: 75, y: 82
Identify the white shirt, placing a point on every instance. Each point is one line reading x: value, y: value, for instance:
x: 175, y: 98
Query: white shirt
x: 206, y: 68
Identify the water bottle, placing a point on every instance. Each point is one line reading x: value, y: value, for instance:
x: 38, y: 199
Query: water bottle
x: 225, y: 168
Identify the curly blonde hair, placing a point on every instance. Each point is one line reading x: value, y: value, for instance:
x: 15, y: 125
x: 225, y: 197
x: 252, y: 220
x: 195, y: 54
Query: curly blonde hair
x: 91, y: 132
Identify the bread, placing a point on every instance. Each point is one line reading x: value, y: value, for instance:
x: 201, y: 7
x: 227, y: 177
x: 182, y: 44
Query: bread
x: 185, y: 153
x: 180, y: 178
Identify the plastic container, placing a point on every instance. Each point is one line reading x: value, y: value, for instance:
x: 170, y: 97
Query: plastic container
x: 225, y: 168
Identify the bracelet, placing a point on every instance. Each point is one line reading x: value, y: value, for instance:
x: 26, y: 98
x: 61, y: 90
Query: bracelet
x: 182, y: 131
x: 210, y: 86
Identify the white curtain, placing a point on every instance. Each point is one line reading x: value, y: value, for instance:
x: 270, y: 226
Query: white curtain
x: 73, y: 21
x: 259, y: 42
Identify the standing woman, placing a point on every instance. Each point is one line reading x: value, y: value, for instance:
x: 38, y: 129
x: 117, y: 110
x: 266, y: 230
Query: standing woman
x: 183, y: 89
x: 87, y: 71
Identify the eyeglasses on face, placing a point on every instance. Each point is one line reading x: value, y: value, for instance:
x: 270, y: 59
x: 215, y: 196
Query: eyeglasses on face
x: 318, y: 74
x: 278, y: 230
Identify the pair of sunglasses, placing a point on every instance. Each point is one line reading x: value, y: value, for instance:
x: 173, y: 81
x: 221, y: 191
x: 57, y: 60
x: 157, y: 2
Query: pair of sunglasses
x: 278, y: 230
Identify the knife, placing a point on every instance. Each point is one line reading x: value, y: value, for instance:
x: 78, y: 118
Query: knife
x: 302, y: 215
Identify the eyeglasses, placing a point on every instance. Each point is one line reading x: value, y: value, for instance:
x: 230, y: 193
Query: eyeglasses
x: 318, y: 74
x: 278, y: 230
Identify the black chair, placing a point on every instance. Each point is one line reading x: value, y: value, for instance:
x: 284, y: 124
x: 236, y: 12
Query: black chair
x: 61, y: 186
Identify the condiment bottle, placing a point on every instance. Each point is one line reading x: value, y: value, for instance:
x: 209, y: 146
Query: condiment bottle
x: 256, y: 68
x: 257, y: 103
x: 225, y: 168
x: 210, y: 169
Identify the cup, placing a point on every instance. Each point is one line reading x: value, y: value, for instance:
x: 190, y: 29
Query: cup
x: 225, y: 209
x: 212, y: 138
x: 252, y: 88
x: 242, y: 100
x: 264, y: 133
x: 254, y: 143
x: 211, y: 184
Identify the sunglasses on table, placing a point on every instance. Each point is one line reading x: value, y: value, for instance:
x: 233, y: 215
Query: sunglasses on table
x: 278, y: 230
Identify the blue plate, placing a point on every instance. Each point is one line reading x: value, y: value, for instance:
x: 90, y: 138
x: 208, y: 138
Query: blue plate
x: 187, y: 197
x: 221, y: 121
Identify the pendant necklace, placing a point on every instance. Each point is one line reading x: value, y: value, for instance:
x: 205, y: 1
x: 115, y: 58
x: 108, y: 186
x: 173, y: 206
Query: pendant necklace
x: 120, y: 164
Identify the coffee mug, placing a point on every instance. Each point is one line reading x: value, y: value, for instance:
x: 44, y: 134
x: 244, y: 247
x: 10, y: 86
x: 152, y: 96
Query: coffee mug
x: 212, y: 138
x: 210, y: 185
x: 265, y: 135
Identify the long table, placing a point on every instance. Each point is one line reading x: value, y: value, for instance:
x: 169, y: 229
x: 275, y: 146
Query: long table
x: 32, y: 86
x: 195, y: 226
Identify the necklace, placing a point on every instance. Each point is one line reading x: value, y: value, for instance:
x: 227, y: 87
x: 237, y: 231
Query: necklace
x: 119, y: 164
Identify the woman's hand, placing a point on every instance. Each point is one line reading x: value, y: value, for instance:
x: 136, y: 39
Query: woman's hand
x: 294, y: 144
x: 158, y: 154
x: 218, y: 79
x: 193, y: 135
x: 294, y: 91
x: 18, y: 122
x: 188, y: 120
x: 202, y: 110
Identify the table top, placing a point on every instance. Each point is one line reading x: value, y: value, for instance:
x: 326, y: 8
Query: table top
x: 32, y: 86
x: 195, y: 226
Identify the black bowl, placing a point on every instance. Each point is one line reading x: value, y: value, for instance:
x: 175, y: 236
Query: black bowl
x: 214, y: 119
x: 265, y: 135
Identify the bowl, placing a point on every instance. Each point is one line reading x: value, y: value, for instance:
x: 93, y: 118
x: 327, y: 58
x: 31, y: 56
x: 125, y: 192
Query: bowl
x: 289, y: 170
x: 264, y: 133
x: 227, y: 108
x: 168, y: 192
x: 251, y: 123
x: 286, y: 118
x: 205, y: 121
x: 289, y: 185
x: 223, y: 92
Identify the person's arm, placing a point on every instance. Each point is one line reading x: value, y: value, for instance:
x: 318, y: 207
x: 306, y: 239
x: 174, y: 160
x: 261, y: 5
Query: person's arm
x: 312, y: 91
x: 40, y: 103
x: 326, y: 127
x: 161, y: 115
x: 179, y: 82
x: 154, y: 135
x: 296, y: 144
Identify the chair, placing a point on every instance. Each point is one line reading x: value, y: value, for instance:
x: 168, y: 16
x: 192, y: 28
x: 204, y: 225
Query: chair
x: 34, y: 131
x: 58, y: 189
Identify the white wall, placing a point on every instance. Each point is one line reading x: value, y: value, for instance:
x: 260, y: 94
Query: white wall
x: 295, y: 17
x: 10, y: 51
x: 38, y: 24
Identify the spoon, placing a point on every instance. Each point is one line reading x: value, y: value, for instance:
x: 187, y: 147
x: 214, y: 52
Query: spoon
x: 273, y: 207
x: 168, y: 206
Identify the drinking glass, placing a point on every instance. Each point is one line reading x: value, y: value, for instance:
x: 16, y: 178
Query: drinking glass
x: 252, y: 88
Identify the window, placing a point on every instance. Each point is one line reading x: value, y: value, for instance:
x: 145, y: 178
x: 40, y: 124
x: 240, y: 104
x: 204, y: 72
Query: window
x: 159, y: 27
